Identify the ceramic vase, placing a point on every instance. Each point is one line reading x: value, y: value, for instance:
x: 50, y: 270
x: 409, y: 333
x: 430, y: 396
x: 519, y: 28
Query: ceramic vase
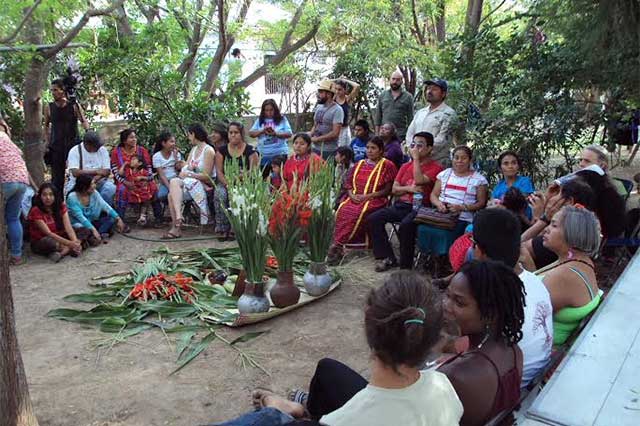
x: 284, y: 293
x: 253, y: 300
x: 317, y: 280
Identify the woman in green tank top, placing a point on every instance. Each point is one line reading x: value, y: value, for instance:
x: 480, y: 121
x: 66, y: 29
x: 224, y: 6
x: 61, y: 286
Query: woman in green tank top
x: 574, y: 235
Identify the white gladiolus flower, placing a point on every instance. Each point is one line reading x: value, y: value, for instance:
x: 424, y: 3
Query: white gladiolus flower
x: 262, y: 224
x: 315, y: 203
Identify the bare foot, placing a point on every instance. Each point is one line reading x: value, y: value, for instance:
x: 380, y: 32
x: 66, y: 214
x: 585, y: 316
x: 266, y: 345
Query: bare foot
x: 263, y: 398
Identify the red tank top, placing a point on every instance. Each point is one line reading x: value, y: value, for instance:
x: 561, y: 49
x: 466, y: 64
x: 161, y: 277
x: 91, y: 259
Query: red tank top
x: 508, y: 392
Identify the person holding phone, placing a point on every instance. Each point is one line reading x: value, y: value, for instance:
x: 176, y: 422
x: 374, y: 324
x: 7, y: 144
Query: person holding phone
x: 272, y: 130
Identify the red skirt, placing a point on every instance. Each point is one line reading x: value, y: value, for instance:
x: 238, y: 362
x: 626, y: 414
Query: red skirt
x: 143, y: 192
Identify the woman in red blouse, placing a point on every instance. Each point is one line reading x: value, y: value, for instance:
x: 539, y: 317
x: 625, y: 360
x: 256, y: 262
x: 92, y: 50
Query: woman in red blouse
x: 298, y: 166
x: 50, y: 229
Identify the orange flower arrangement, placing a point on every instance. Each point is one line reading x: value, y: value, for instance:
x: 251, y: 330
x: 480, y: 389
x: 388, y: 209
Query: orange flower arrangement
x: 290, y: 216
x: 177, y: 288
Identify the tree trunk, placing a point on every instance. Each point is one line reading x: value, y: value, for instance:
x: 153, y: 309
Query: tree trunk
x: 34, y: 84
x: 410, y: 76
x: 15, y: 404
x: 472, y: 24
x: 441, y: 29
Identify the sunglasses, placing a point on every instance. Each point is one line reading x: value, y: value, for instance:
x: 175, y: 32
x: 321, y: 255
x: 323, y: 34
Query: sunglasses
x: 416, y: 145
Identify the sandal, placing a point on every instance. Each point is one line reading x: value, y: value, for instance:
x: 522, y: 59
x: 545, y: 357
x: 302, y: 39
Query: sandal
x: 385, y: 264
x: 142, y: 220
x: 299, y: 396
x: 170, y: 236
x: 15, y: 261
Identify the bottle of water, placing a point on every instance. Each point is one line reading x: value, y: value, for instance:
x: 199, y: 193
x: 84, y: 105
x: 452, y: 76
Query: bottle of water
x: 417, y: 201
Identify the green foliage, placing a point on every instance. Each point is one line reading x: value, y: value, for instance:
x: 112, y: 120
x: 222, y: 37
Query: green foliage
x: 357, y: 64
x: 141, y: 74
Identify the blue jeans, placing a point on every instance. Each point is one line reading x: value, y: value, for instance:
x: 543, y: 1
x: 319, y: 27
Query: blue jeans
x: 107, y: 190
x: 263, y: 417
x: 104, y: 224
x: 13, y: 193
x: 163, y: 192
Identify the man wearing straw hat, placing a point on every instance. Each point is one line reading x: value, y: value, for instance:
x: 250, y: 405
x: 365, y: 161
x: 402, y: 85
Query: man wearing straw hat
x: 327, y: 121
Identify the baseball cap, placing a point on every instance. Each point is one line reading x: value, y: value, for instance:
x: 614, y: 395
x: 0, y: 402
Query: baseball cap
x: 438, y: 82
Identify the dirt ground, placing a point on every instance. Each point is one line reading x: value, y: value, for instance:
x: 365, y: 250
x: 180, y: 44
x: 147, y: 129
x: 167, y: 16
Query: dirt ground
x: 72, y: 383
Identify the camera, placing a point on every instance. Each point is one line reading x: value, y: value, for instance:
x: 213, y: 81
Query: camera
x: 70, y: 82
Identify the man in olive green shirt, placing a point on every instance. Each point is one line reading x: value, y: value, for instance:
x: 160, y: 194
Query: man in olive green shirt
x: 395, y: 105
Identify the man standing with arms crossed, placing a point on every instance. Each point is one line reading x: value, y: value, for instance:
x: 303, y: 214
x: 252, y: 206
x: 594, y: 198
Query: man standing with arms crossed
x: 437, y: 118
x: 395, y: 105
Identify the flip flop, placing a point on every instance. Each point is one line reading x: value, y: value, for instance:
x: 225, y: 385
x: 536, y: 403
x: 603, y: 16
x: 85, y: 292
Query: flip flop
x: 170, y: 236
x: 299, y: 396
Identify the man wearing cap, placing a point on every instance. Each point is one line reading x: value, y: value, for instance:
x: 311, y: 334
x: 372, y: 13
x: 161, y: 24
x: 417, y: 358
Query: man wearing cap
x: 91, y: 158
x: 395, y: 105
x: 438, y: 119
x: 327, y: 121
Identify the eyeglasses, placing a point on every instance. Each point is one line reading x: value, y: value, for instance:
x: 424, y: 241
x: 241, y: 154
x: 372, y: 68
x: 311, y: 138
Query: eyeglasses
x: 416, y: 145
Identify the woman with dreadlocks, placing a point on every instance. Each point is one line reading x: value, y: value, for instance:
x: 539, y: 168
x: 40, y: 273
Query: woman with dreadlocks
x: 485, y: 299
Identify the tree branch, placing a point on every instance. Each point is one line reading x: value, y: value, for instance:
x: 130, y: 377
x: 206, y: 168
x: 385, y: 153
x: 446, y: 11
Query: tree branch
x: 279, y: 57
x: 25, y: 18
x: 492, y: 12
x: 149, y: 13
x: 225, y: 41
x: 416, y: 25
x: 79, y: 26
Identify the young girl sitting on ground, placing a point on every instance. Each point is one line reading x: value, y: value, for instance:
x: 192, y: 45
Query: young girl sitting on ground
x: 145, y: 188
x: 50, y: 228
x: 402, y: 321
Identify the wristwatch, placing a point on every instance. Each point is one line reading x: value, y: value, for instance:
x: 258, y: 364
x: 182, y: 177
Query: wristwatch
x: 545, y: 218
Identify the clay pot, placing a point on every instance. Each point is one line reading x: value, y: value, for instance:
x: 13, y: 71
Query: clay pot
x: 238, y: 289
x: 284, y: 293
x: 253, y: 299
x: 317, y: 280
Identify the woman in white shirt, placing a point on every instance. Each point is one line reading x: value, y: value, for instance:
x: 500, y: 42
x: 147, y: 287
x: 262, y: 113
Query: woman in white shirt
x: 459, y: 190
x: 193, y: 181
x: 403, y: 318
x: 167, y: 161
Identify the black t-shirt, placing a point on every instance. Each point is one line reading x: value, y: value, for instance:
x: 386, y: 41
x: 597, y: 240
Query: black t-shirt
x: 243, y: 159
x: 64, y: 127
x: 345, y: 109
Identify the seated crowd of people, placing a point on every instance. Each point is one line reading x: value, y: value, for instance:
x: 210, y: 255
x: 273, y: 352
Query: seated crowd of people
x: 511, y: 315
x: 515, y: 265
